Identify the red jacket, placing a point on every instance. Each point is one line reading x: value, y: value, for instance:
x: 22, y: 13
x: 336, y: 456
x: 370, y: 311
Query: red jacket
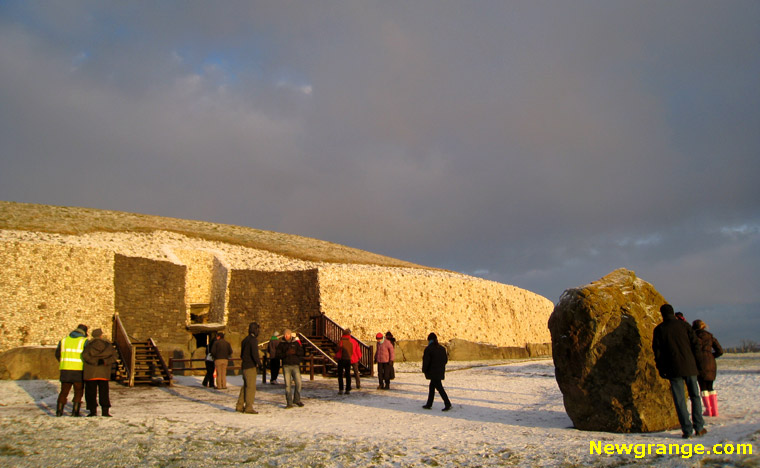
x: 357, y: 354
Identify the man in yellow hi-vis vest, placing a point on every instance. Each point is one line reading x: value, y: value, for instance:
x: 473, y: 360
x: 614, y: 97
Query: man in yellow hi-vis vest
x: 69, y: 355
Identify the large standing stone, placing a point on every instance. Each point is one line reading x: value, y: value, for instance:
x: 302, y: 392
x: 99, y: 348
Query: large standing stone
x: 604, y: 364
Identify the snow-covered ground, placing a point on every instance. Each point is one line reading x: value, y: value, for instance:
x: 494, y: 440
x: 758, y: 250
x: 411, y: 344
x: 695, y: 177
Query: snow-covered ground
x: 505, y: 414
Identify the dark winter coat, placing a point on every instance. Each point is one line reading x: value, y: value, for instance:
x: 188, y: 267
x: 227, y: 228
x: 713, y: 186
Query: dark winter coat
x: 709, y: 349
x: 221, y: 349
x: 434, y: 361
x: 675, y: 346
x: 98, y: 357
x: 290, y: 352
x: 249, y: 349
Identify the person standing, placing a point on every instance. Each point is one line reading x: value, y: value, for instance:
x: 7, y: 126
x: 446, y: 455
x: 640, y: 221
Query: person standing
x: 434, y: 361
x: 343, y: 354
x: 221, y: 351
x: 356, y: 354
x: 69, y: 355
x: 274, y: 361
x: 675, y: 346
x: 98, y: 356
x: 291, y: 352
x: 249, y: 352
x: 208, y: 379
x: 709, y: 349
x: 384, y: 357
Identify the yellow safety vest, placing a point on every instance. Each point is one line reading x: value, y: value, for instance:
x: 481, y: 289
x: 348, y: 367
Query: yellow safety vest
x: 71, y: 353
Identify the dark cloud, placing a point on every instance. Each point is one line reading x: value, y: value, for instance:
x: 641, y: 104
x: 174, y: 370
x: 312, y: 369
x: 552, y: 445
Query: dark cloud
x: 541, y: 144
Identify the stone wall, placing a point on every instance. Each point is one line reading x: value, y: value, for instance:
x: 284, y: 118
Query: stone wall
x: 200, y: 271
x: 275, y: 299
x: 150, y: 300
x: 412, y: 303
x: 46, y: 290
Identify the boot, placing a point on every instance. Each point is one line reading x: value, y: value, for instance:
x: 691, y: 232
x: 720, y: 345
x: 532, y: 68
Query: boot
x: 59, y: 409
x: 713, y: 403
x: 706, y: 403
x: 104, y: 411
x: 92, y: 412
x: 75, y: 410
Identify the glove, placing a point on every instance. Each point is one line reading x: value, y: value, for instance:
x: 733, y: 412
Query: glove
x: 101, y: 362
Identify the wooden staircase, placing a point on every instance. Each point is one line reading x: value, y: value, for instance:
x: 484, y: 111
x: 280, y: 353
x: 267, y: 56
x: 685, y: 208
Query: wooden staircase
x: 138, y: 362
x: 321, y: 343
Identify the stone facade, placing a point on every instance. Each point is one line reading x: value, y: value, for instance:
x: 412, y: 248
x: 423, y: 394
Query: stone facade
x: 46, y: 290
x: 150, y: 299
x: 52, y: 282
x: 412, y: 303
x: 275, y: 299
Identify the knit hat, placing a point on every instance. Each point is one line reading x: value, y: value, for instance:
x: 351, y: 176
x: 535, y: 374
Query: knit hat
x: 379, y: 336
x: 97, y: 333
x: 82, y: 328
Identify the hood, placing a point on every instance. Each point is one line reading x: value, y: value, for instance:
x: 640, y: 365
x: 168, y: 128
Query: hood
x: 77, y: 334
x: 99, y: 345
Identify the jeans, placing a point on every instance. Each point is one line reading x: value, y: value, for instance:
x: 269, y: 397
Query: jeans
x: 344, y: 371
x: 697, y: 423
x: 292, y: 374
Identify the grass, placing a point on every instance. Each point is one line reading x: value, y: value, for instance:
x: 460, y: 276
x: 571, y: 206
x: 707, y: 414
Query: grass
x: 78, y: 221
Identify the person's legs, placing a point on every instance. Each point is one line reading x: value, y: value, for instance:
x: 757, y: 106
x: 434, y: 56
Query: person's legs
x: 274, y: 369
x: 355, y: 366
x: 380, y: 373
x: 696, y: 405
x: 288, y: 374
x: 444, y: 396
x: 297, y: 391
x: 90, y: 396
x: 63, y: 396
x: 104, y: 397
x: 431, y: 395
x: 679, y: 399
x: 221, y: 373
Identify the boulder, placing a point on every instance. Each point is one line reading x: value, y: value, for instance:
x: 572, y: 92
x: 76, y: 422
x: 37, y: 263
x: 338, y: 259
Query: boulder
x: 29, y: 363
x: 602, y: 350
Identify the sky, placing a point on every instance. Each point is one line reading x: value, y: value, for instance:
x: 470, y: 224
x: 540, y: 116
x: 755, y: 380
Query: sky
x: 537, y: 143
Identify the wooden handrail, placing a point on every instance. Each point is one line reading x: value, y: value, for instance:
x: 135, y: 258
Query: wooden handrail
x: 161, y: 362
x: 333, y: 332
x: 125, y: 347
x: 319, y: 350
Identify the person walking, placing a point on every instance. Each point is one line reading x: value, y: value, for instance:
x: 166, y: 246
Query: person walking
x: 343, y: 353
x: 291, y: 352
x: 208, y: 379
x: 709, y: 349
x: 434, y: 361
x: 98, y: 356
x: 249, y: 352
x: 274, y: 361
x: 384, y: 357
x: 675, y: 346
x: 221, y: 351
x: 69, y: 355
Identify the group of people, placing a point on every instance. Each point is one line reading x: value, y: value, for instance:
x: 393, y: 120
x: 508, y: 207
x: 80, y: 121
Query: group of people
x: 85, y: 365
x: 685, y: 355
x: 287, y: 353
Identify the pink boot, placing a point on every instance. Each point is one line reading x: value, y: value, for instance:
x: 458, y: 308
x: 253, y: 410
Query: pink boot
x: 713, y: 403
x: 706, y: 403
